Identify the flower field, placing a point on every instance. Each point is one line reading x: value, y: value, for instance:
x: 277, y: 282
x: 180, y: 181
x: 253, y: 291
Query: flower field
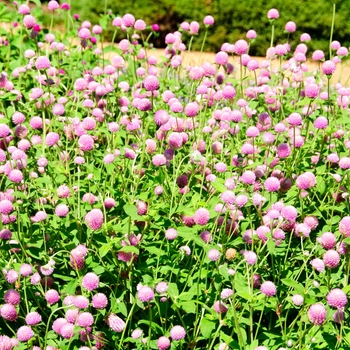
x: 146, y: 203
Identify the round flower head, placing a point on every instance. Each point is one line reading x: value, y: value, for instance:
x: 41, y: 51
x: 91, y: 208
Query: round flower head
x: 317, y: 314
x: 251, y: 34
x: 72, y: 315
x: 99, y: 301
x: 201, y: 216
x: 86, y: 143
x: 344, y: 163
x: 42, y: 62
x: 321, y: 122
x: 115, y: 323
x: 145, y: 294
x: 12, y: 297
x: 297, y: 299
x: 241, y: 47
x: 163, y: 343
x: 24, y: 333
x: 220, y: 307
x: 250, y: 257
x: 289, y: 213
x: 213, y: 255
x: 317, y: 264
x: 33, y: 318
x: 272, y: 184
x: 61, y: 210
x: 177, y: 333
x: 344, y: 226
x: 268, y: 288
x: 94, y: 219
x: 66, y: 330
x: 8, y: 312
x: 327, y: 240
x: 90, y: 281
x: 6, y: 207
x: 52, y: 296
x: 171, y: 234
x: 81, y: 302
x: 328, y: 67
x: 221, y: 58
x: 337, y: 298
x: 85, y: 319
x: 208, y: 20
x: 331, y: 258
x: 273, y: 14
x: 158, y: 160
x: 248, y: 177
x: 12, y: 276
x: 162, y: 287
x: 136, y: 333
x: 290, y: 27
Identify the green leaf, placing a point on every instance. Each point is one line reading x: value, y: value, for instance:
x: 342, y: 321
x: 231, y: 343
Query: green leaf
x: 188, y: 306
x: 130, y: 249
x: 131, y: 211
x: 271, y: 247
x: 173, y: 291
x: 207, y: 327
x: 218, y: 186
x: 71, y: 286
x: 291, y: 283
x: 104, y: 250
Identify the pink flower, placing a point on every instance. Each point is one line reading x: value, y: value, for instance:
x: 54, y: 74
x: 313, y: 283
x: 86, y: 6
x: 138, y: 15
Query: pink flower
x: 272, y: 184
x: 145, y: 294
x: 163, y: 343
x: 115, y: 323
x: 52, y: 296
x: 290, y: 27
x: 8, y: 312
x: 208, y: 20
x: 327, y: 240
x: 177, y: 333
x: 201, y: 216
x: 297, y: 299
x: 220, y: 307
x: 273, y: 14
x: 317, y: 314
x: 86, y: 143
x: 12, y: 297
x: 268, y: 288
x: 85, y: 319
x: 331, y: 258
x: 337, y: 298
x: 42, y: 62
x: 62, y: 210
x: 344, y: 226
x: 328, y: 67
x: 90, y: 281
x: 24, y: 333
x: 33, y: 318
x: 94, y: 219
x: 99, y: 301
x: 213, y: 255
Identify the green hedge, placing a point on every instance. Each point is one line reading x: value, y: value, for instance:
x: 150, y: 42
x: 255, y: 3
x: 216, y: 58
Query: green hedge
x: 234, y: 18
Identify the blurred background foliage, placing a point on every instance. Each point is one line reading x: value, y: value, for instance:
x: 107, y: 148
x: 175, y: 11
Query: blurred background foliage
x: 233, y: 18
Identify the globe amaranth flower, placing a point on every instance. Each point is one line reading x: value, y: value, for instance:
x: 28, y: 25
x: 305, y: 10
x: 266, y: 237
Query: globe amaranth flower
x: 94, y: 219
x: 177, y: 333
x: 317, y: 314
x: 115, y: 323
x: 145, y: 294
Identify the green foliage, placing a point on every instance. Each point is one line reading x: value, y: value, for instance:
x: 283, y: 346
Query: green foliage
x: 233, y: 19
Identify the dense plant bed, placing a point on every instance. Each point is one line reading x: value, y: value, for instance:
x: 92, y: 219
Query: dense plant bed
x: 148, y: 205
